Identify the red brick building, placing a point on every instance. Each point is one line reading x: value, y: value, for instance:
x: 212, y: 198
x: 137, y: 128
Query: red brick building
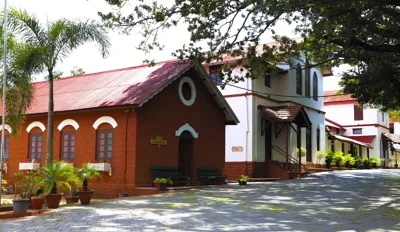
x: 167, y: 115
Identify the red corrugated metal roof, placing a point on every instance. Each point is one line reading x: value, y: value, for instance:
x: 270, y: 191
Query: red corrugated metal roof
x: 363, y: 138
x: 333, y: 96
x: 128, y: 86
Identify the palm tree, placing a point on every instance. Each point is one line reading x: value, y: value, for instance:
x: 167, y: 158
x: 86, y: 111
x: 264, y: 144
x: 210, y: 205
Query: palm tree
x: 19, y: 89
x: 51, y: 44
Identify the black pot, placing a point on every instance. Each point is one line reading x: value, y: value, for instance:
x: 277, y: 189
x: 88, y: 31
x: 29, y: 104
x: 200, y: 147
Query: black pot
x: 337, y: 164
x: 347, y: 164
x: 242, y: 182
x: 396, y: 165
x: 121, y: 195
x: 328, y: 165
x: 21, y: 205
x: 366, y: 165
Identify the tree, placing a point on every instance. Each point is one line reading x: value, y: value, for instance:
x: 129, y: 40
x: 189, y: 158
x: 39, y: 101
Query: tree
x: 51, y: 44
x: 18, y: 86
x: 362, y: 33
x: 77, y: 71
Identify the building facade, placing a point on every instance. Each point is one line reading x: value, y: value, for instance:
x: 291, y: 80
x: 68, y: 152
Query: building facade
x: 125, y: 121
x: 272, y: 109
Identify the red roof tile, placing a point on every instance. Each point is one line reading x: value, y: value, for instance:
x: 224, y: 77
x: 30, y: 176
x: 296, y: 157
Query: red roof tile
x: 363, y: 138
x: 129, y: 86
x: 333, y: 96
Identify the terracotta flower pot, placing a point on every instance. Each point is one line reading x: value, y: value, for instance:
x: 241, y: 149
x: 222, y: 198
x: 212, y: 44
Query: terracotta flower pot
x: 71, y: 199
x: 37, y: 202
x: 161, y: 186
x: 53, y: 200
x: 85, y: 197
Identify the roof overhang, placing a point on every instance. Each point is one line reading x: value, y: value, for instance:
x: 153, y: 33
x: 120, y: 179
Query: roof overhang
x: 286, y: 114
x: 349, y: 140
x: 395, y: 138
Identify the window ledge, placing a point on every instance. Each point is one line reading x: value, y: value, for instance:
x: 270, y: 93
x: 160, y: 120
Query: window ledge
x: 102, y: 167
x: 29, y: 166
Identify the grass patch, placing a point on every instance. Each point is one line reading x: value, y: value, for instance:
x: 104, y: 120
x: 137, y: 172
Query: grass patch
x: 394, y: 179
x: 342, y: 212
x: 269, y: 208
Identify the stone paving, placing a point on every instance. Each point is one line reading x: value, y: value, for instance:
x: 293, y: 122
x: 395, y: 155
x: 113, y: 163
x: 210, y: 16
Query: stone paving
x: 366, y: 200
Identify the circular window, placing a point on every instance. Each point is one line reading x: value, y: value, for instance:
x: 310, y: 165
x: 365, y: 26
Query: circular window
x: 187, y: 91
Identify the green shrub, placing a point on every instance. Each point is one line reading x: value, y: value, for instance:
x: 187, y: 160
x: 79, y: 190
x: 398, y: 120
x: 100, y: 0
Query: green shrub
x: 348, y: 160
x: 244, y: 178
x: 338, y: 157
x: 163, y: 180
x: 329, y: 157
x: 375, y: 160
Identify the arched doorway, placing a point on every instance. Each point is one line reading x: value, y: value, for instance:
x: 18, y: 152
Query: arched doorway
x: 185, y: 153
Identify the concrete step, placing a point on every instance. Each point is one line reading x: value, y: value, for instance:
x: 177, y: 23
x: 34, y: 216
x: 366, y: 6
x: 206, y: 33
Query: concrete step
x: 264, y: 179
x: 314, y: 170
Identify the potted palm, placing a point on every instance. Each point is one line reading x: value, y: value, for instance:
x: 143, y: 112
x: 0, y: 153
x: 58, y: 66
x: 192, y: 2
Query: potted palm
x: 366, y: 163
x: 161, y: 183
x: 57, y: 175
x: 243, y: 180
x: 302, y: 152
x: 348, y: 160
x: 86, y: 173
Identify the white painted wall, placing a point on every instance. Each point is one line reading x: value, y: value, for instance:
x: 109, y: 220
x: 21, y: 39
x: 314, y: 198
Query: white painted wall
x: 396, y: 127
x: 237, y: 136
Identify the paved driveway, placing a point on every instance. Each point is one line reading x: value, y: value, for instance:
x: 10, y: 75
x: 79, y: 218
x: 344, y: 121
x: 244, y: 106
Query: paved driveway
x: 339, y: 201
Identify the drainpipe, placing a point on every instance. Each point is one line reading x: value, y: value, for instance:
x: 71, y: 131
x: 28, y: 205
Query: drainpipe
x: 247, y: 125
x: 126, y: 147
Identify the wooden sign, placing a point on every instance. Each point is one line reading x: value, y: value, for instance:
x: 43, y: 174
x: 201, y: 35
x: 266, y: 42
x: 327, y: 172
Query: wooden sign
x: 158, y: 141
x: 237, y: 149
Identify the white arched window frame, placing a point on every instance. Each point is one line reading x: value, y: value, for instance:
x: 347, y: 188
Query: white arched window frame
x: 68, y: 122
x: 36, y: 124
x: 187, y: 127
x: 105, y: 119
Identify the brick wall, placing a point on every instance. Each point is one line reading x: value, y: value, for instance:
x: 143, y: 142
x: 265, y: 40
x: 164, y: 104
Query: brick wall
x: 163, y: 115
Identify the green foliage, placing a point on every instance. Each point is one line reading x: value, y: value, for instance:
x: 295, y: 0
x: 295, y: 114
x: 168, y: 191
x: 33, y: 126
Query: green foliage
x: 86, y: 172
x: 244, y: 178
x: 77, y: 71
x: 338, y: 157
x: 329, y: 157
x: 375, y: 160
x: 361, y: 33
x: 49, y: 45
x: 57, y: 175
x: 366, y: 162
x: 163, y: 180
x: 27, y: 184
x: 348, y: 160
x: 303, y: 151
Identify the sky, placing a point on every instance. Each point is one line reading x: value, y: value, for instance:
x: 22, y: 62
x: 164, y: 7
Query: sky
x: 123, y: 52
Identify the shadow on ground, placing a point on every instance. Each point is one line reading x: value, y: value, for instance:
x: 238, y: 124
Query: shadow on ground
x: 366, y: 200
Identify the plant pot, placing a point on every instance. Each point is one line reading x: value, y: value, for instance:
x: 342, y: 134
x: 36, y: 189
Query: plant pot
x: 85, y: 197
x: 161, y: 186
x: 20, y: 206
x: 121, y: 195
x: 337, y: 164
x: 366, y: 165
x: 374, y: 165
x: 347, y: 164
x: 53, y: 200
x: 37, y: 202
x: 396, y: 165
x: 242, y: 182
x: 328, y: 165
x: 71, y: 199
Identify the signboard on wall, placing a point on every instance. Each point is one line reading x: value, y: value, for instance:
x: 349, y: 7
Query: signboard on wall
x: 237, y: 148
x: 159, y: 141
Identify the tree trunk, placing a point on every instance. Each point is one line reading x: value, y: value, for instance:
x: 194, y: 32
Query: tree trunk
x: 54, y: 189
x: 85, y: 185
x: 50, y: 124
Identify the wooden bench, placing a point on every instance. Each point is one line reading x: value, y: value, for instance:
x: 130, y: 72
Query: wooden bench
x: 168, y: 172
x: 209, y: 175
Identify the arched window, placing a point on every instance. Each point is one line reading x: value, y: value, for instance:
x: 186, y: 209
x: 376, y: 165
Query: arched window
x: 105, y: 136
x: 299, y: 80
x: 307, y: 80
x: 315, y: 86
